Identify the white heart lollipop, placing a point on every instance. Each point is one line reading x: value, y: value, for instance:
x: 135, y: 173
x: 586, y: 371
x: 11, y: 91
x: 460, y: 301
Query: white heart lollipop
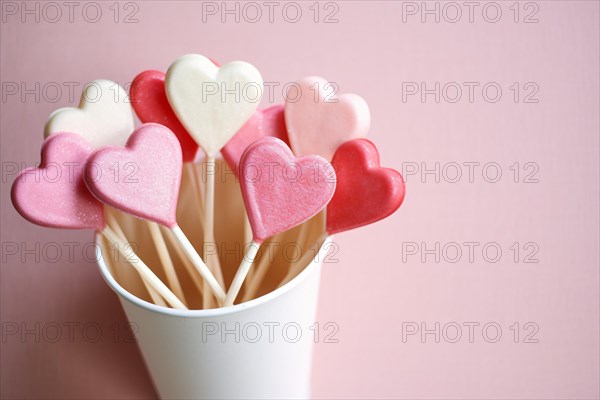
x: 104, y: 116
x: 212, y: 103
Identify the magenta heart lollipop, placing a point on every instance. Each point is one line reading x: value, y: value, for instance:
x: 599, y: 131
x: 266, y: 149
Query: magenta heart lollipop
x: 143, y: 179
x: 280, y: 191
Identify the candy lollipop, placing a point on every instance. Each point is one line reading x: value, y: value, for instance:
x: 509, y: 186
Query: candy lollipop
x: 212, y: 103
x: 365, y: 192
x: 318, y: 121
x: 104, y: 116
x: 147, y: 185
x: 54, y: 195
x: 267, y: 122
x: 150, y: 103
x: 149, y: 100
x: 280, y: 191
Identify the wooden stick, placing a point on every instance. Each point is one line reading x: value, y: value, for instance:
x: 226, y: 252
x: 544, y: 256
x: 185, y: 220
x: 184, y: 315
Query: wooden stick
x: 109, y: 261
x: 143, y: 269
x: 196, y: 260
x: 209, y: 224
x: 241, y: 273
x: 248, y: 239
x: 264, y: 265
x: 207, y: 297
x: 301, y: 264
x: 156, y: 299
x: 165, y: 260
x: 196, y: 278
x: 196, y: 187
x: 259, y: 272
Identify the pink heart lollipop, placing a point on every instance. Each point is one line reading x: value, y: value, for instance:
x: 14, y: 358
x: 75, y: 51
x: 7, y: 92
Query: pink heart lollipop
x: 280, y: 191
x: 267, y: 122
x: 318, y: 121
x: 143, y: 179
x: 54, y: 195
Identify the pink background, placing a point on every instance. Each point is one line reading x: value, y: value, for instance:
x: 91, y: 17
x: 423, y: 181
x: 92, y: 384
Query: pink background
x: 371, y: 291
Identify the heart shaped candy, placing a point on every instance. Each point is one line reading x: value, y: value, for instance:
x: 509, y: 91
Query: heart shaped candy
x: 104, y: 116
x: 267, y: 122
x: 212, y: 103
x: 281, y: 191
x: 318, y: 121
x: 365, y: 192
x: 150, y: 103
x: 142, y: 178
x: 54, y: 195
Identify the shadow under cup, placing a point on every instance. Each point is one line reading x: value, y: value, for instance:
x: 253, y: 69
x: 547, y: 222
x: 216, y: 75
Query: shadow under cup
x: 261, y: 348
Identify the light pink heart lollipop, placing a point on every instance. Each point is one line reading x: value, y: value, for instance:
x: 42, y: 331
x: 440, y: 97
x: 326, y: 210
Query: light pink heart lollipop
x: 319, y: 121
x: 280, y: 191
x: 54, y: 195
x: 143, y: 179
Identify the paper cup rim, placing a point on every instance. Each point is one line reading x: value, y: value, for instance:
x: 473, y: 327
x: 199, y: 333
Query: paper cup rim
x: 213, y: 312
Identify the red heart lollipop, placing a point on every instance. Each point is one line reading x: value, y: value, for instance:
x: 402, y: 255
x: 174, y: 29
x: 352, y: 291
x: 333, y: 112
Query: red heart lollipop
x: 365, y: 192
x: 150, y: 103
x: 281, y: 191
x: 267, y: 122
x: 54, y: 195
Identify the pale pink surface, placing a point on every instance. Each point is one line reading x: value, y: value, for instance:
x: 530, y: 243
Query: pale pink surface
x: 54, y: 194
x: 370, y: 51
x: 319, y: 120
x: 281, y: 191
x: 267, y: 122
x: 148, y: 175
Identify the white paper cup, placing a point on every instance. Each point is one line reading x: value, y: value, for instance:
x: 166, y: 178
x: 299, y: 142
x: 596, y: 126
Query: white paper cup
x: 259, y: 349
